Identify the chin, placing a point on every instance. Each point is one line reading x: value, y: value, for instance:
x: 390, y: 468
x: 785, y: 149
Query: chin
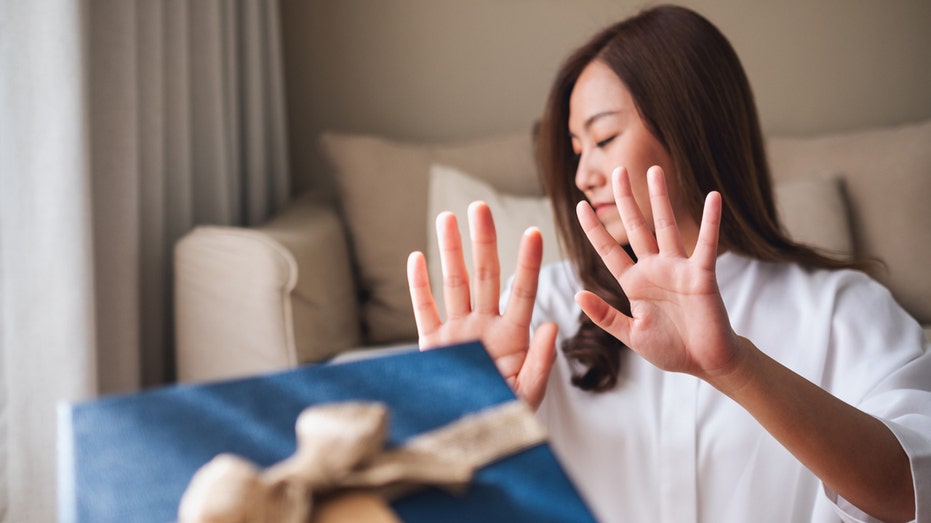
x: 619, y: 236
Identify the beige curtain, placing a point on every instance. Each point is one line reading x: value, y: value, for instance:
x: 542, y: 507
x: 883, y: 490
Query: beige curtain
x: 122, y: 125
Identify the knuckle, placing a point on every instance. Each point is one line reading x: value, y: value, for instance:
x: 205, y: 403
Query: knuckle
x: 486, y: 273
x: 524, y: 292
x: 664, y: 222
x: 635, y: 224
x: 605, y: 246
x: 455, y: 281
x: 422, y: 307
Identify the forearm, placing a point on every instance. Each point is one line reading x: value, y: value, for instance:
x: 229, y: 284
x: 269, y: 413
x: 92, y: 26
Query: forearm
x: 852, y: 452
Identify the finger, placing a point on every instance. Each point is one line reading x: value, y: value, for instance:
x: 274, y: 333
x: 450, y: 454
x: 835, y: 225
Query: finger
x: 706, y: 249
x: 605, y: 316
x: 455, y: 275
x: 533, y: 375
x: 527, y: 273
x: 418, y: 280
x: 486, y: 267
x: 614, y: 257
x: 638, y: 230
x: 664, y: 219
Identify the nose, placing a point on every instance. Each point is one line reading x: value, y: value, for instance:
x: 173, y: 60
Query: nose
x: 589, y: 176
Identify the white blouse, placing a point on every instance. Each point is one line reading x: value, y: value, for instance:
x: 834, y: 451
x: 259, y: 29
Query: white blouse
x: 667, y: 447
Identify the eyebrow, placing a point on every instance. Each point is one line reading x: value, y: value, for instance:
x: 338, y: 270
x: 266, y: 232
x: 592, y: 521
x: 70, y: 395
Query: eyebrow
x: 591, y: 119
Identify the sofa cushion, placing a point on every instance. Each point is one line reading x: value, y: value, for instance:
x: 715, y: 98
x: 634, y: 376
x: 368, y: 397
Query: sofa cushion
x: 324, y: 311
x: 232, y: 288
x: 382, y: 188
x: 263, y: 299
x: 887, y: 177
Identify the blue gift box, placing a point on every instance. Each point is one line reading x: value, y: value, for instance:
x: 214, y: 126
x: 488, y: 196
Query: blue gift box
x: 130, y: 458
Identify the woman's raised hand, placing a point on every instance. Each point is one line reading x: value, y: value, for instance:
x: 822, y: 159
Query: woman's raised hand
x: 472, y: 313
x: 678, y: 321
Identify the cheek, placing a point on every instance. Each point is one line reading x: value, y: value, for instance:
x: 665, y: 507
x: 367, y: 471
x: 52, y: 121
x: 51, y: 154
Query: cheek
x: 636, y: 154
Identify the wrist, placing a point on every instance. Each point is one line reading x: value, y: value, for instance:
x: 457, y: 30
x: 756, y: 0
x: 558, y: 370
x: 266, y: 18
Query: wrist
x: 740, y: 371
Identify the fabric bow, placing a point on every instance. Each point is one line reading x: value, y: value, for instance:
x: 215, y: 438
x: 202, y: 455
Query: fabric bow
x: 341, y: 447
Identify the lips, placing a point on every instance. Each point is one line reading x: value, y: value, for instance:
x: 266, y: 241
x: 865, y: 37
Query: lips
x: 604, y: 207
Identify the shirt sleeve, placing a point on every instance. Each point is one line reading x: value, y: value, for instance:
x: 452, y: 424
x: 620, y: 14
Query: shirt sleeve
x: 884, y: 356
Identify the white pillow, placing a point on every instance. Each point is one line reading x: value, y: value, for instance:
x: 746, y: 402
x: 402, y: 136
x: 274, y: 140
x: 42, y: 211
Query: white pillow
x: 453, y: 190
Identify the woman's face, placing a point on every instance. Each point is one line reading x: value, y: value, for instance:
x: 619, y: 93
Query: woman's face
x: 607, y: 132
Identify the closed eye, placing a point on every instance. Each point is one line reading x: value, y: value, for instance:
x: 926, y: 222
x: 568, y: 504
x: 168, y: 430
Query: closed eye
x: 606, y: 141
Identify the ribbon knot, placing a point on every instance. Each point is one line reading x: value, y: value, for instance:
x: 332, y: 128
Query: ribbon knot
x: 341, y: 446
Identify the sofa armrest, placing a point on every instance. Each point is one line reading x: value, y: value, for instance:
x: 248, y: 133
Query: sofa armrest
x: 254, y: 300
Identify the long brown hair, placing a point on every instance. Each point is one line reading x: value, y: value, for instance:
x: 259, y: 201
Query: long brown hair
x: 692, y: 93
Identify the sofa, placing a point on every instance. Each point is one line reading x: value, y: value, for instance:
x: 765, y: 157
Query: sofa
x: 326, y: 279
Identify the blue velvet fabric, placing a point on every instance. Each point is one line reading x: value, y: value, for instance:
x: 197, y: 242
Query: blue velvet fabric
x: 130, y: 458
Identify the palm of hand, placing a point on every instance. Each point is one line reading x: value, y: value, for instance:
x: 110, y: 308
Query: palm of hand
x: 678, y: 321
x: 473, y: 313
x: 507, y: 343
x: 676, y: 312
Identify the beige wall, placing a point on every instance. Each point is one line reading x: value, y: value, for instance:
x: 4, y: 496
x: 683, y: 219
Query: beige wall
x: 439, y: 70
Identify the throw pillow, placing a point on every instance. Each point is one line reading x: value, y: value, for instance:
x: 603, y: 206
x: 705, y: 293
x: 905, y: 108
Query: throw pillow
x: 887, y: 180
x: 814, y: 212
x: 382, y: 188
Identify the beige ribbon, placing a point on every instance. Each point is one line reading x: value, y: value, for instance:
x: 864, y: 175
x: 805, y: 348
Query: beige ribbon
x: 340, y: 449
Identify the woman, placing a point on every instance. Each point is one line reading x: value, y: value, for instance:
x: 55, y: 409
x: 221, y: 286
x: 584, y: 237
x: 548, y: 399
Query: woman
x: 764, y: 381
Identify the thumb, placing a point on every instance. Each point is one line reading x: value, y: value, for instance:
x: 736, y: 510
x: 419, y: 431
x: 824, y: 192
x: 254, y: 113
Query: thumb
x: 535, y: 372
x: 605, y: 316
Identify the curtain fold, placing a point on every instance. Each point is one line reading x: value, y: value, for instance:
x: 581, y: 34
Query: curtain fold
x: 47, y: 333
x: 124, y: 124
x: 182, y: 93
